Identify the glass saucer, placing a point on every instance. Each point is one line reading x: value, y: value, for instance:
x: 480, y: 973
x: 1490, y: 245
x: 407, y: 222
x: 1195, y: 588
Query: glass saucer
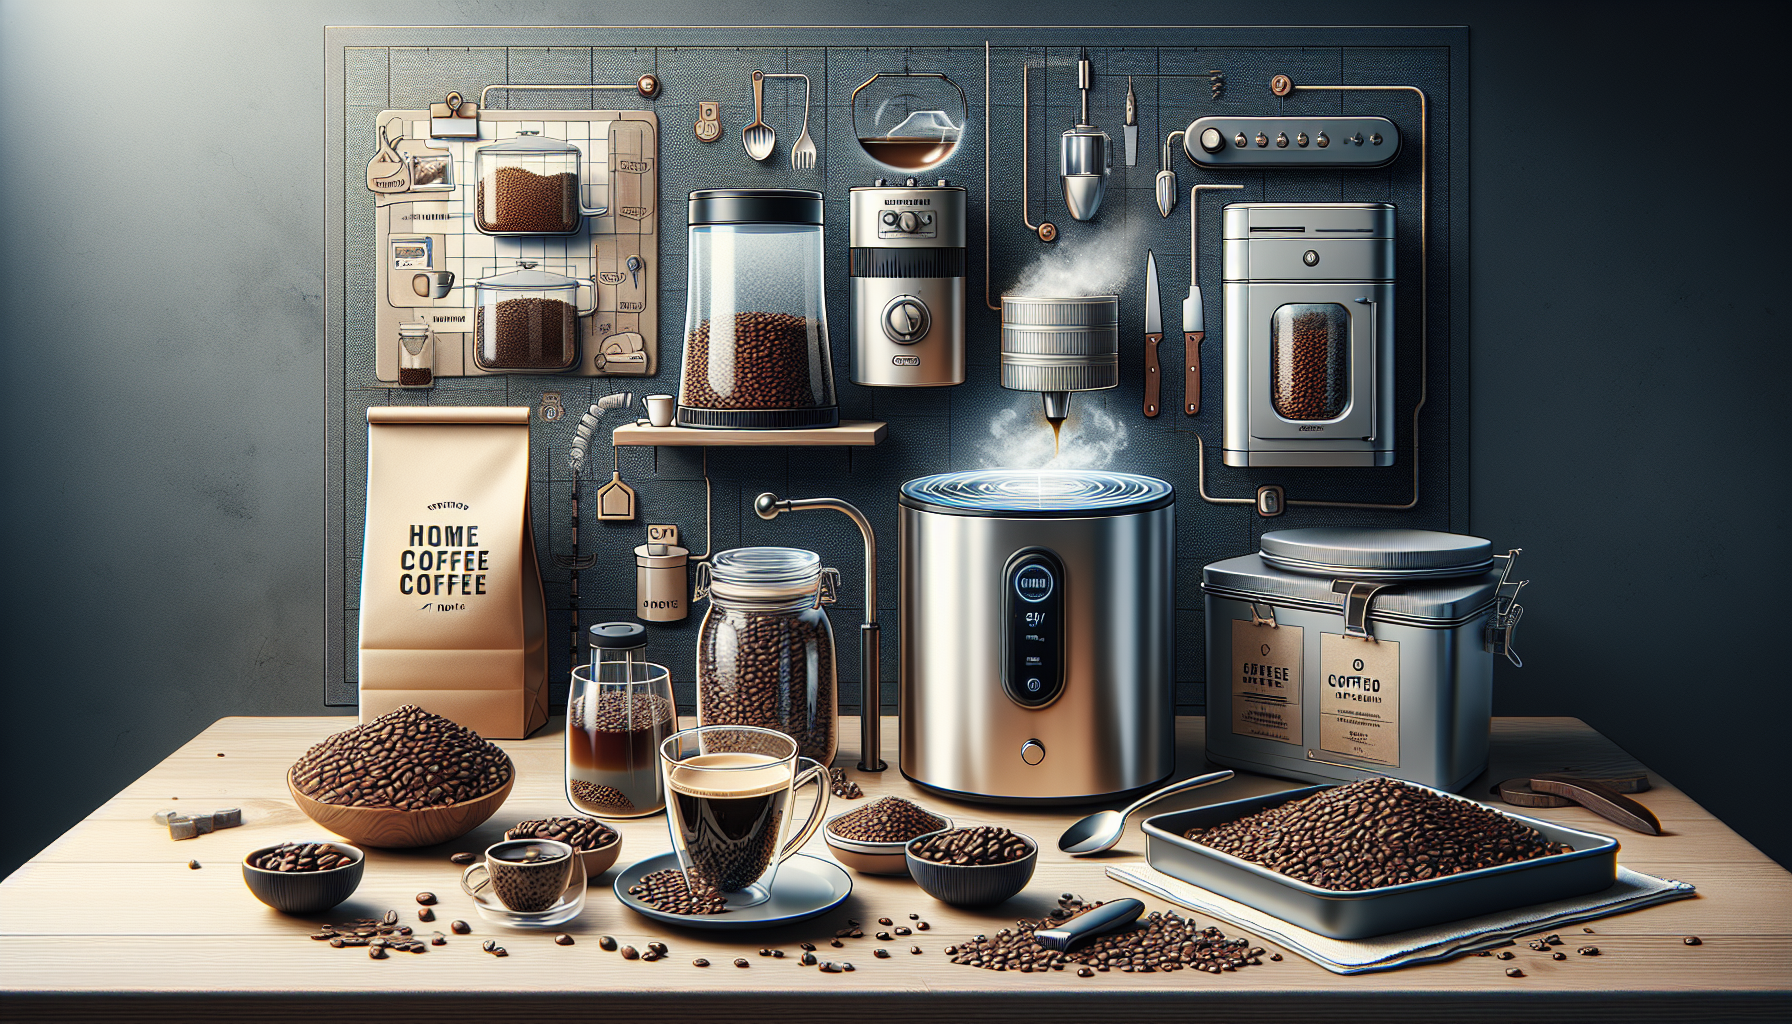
x: 567, y: 907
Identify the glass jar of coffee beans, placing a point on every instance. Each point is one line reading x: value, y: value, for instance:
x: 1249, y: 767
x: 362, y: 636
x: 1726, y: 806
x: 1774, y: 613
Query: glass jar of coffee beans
x: 765, y: 652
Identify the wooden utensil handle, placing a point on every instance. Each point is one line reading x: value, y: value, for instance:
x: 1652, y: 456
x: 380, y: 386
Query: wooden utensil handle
x: 1191, y: 388
x: 1153, y: 375
x: 1602, y: 800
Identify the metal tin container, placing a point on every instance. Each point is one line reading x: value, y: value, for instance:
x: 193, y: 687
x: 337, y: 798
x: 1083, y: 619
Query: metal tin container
x: 1591, y: 865
x: 1037, y: 644
x: 1339, y: 654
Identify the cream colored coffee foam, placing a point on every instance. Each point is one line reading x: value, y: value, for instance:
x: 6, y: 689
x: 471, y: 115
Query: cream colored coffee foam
x: 730, y: 776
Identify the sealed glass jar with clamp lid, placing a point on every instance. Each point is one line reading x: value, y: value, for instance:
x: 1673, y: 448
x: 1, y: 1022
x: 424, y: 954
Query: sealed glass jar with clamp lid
x: 529, y: 186
x: 756, y: 353
x: 1340, y: 654
x: 765, y: 651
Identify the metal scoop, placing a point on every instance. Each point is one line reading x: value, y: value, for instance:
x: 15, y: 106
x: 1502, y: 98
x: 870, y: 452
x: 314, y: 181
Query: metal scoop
x: 1101, y: 830
x: 758, y: 137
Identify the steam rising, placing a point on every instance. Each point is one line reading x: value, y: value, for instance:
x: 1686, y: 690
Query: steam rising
x: 1019, y: 438
x: 1099, y: 264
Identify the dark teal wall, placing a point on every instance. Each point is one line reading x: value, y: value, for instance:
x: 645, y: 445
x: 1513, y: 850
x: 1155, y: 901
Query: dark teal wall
x: 161, y: 220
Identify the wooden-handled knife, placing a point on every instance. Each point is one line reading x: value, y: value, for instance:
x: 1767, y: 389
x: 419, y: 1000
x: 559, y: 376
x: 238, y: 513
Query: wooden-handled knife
x: 1154, y: 334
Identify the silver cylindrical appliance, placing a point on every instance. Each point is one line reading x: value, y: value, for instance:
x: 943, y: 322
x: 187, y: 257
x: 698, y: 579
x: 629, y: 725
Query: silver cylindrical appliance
x: 907, y: 267
x: 1057, y: 346
x: 1037, y: 640
x: 1309, y: 334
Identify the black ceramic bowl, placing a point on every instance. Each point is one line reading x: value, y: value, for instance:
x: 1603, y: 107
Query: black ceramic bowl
x: 305, y: 892
x: 971, y: 885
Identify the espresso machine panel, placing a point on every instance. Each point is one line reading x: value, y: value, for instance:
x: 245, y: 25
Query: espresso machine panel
x: 1309, y: 347
x: 908, y: 267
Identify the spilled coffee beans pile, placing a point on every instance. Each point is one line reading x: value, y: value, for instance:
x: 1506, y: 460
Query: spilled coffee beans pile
x: 582, y: 834
x: 1311, y: 378
x: 985, y: 844
x: 531, y: 334
x: 1374, y: 833
x: 1156, y: 942
x: 521, y: 200
x: 377, y: 934
x: 889, y: 820
x: 764, y: 365
x: 302, y: 857
x: 842, y: 786
x: 406, y: 759
x: 667, y: 892
x: 756, y: 670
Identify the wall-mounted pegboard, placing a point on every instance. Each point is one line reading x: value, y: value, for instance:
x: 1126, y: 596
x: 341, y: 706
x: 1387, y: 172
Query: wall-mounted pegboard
x: 375, y: 69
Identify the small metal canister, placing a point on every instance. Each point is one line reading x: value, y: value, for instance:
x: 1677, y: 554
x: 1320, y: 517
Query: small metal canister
x: 661, y: 592
x: 1340, y: 654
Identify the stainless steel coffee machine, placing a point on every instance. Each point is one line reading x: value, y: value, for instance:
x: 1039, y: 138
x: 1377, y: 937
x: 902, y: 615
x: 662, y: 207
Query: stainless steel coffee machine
x: 907, y: 266
x: 1309, y: 334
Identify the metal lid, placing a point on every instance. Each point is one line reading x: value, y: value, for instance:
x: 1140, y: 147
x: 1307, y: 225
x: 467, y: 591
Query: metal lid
x: 1037, y: 494
x: 661, y: 556
x: 1384, y: 554
x: 526, y: 278
x: 529, y: 143
x: 1433, y: 603
x: 765, y: 571
x: 754, y: 206
x: 618, y: 636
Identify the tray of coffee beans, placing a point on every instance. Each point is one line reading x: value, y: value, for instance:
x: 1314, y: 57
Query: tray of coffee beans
x: 1376, y: 856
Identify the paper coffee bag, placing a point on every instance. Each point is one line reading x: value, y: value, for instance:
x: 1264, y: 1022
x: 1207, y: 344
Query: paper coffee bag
x: 452, y: 613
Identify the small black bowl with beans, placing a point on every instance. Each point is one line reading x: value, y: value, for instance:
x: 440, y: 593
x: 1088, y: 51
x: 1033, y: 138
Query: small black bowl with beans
x: 972, y: 867
x: 304, y: 878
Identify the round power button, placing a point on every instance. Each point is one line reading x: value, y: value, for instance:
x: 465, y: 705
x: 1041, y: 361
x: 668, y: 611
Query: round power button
x: 1032, y: 752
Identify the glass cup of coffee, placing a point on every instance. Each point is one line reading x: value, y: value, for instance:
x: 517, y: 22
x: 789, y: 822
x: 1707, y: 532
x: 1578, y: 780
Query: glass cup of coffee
x: 617, y: 715
x: 730, y: 790
x: 528, y: 876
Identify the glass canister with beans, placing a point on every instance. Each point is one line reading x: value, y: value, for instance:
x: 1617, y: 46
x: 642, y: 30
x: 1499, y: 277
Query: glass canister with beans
x: 765, y: 651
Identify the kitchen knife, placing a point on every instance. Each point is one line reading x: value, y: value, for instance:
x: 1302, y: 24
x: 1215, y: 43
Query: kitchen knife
x: 1154, y: 333
x: 1132, y: 125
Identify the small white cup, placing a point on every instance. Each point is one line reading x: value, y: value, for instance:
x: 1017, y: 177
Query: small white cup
x: 659, y: 409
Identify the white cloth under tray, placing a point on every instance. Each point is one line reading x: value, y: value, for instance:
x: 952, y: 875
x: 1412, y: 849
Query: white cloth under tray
x: 1633, y: 889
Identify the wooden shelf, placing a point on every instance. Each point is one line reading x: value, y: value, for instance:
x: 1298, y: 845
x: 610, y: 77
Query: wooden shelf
x: 860, y: 433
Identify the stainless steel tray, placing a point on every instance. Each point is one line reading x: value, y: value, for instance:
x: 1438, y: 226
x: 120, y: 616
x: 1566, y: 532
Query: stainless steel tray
x: 1591, y: 865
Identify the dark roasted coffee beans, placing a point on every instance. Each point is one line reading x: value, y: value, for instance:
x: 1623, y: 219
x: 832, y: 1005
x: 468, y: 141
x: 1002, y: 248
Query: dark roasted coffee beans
x: 464, y: 858
x: 427, y: 899
x: 1374, y: 833
x: 426, y: 914
x: 1693, y: 940
x: 518, y: 199
x: 582, y: 834
x: 984, y: 844
x: 405, y: 759
x: 843, y: 787
x: 460, y: 927
x: 699, y: 962
x: 607, y: 943
x: 562, y: 939
x: 773, y: 670
x: 669, y: 892
x: 888, y: 820
x: 303, y: 857
x: 1310, y: 374
x: 530, y: 333
x: 1154, y: 943
x: 742, y: 961
x: 762, y: 363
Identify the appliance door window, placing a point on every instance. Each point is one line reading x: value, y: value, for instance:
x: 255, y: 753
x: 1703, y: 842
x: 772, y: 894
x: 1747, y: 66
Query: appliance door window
x: 1309, y: 351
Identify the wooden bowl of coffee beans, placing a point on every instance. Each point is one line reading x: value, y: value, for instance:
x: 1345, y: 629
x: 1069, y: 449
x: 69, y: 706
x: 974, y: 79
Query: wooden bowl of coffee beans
x: 407, y: 778
x: 304, y: 878
x: 972, y: 867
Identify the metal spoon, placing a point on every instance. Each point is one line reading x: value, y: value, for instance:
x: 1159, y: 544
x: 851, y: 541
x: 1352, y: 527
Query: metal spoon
x: 758, y: 137
x: 1103, y: 829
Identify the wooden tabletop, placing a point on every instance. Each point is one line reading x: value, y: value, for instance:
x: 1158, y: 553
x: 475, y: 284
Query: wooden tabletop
x: 109, y: 923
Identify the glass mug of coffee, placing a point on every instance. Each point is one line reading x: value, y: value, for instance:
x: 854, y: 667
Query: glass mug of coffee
x: 527, y: 876
x: 729, y: 792
x: 617, y: 715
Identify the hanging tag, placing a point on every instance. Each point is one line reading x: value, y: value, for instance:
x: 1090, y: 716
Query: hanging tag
x: 1359, y: 693
x: 1266, y: 679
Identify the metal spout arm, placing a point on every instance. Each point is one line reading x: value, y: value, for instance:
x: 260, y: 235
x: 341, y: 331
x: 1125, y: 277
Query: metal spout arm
x: 769, y: 506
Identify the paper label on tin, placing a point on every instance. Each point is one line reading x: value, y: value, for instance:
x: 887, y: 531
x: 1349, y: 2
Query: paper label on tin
x: 1359, y: 693
x: 1266, y: 681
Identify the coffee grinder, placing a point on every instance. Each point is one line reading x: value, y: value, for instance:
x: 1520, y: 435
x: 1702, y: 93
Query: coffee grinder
x: 907, y: 268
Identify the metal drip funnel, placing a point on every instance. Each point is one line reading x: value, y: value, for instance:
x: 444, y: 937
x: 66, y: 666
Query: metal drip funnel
x: 1058, y: 346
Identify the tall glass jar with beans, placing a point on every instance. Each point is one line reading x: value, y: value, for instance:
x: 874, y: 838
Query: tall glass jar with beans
x: 765, y: 651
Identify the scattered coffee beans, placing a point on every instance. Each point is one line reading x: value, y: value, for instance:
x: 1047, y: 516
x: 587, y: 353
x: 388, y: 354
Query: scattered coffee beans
x: 377, y: 953
x: 607, y: 943
x: 521, y: 200
x: 630, y: 953
x: 904, y: 931
x: 809, y: 946
x: 699, y: 962
x: 668, y: 892
x: 500, y: 951
x: 405, y: 759
x: 883, y: 936
x: 770, y: 670
x: 1374, y: 833
x: 582, y: 834
x: 841, y: 786
x: 1156, y: 942
x: 426, y: 914
x: 883, y: 920
x: 438, y: 939
x: 915, y: 950
x: 426, y: 898
x: 1588, y: 951
x: 193, y: 865
x: 302, y: 857
x: 460, y: 927
x: 464, y: 857
x: 807, y: 960
x: 1693, y: 940
x: 741, y: 961
x: 888, y: 820
x: 658, y: 947
x: 1558, y: 955
x: 881, y: 954
x: 984, y: 844
x: 1513, y: 972
x: 562, y: 939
